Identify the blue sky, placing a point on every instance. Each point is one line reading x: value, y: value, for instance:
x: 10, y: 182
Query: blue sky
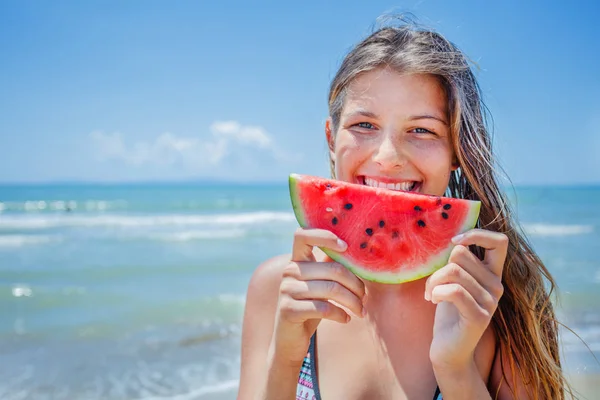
x: 159, y: 90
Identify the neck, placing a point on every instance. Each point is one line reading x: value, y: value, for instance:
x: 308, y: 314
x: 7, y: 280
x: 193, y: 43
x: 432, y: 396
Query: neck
x: 382, y: 296
x: 398, y: 310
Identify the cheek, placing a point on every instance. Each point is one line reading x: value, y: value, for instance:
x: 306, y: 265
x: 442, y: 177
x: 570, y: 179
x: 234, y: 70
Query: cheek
x: 434, y: 157
x: 349, y: 154
x: 437, y: 146
x: 348, y: 149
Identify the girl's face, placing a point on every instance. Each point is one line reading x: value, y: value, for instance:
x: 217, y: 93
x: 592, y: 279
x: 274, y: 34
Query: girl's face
x: 394, y: 132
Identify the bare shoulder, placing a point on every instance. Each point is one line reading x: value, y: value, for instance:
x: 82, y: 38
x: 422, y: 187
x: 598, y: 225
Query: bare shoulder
x: 259, y: 321
x: 485, y: 353
x: 502, y: 375
x: 494, y: 366
x: 267, y: 276
x: 263, y: 294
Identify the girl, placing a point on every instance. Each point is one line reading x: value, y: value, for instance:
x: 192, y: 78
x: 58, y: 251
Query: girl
x: 405, y: 108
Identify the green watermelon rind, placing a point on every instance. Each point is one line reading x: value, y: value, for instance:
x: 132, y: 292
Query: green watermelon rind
x: 296, y: 203
x: 436, y: 262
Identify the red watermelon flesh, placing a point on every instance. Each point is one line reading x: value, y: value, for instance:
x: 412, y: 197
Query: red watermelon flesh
x: 392, y: 236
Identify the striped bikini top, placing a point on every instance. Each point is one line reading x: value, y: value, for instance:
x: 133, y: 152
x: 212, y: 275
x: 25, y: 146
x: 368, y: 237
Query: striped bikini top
x: 308, y: 386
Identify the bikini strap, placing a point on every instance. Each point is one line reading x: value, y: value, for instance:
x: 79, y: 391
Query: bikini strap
x: 312, y: 349
x: 438, y: 394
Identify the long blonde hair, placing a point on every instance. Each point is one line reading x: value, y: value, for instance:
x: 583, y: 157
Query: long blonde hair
x: 524, y: 323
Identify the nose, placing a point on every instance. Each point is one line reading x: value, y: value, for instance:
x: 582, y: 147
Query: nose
x: 388, y: 154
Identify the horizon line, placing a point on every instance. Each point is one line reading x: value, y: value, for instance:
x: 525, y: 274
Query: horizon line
x: 284, y: 181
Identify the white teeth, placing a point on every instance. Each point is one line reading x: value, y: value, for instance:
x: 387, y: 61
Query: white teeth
x: 406, y: 186
x: 403, y: 186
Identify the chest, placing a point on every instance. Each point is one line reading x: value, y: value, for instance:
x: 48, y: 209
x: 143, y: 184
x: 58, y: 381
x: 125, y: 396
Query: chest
x: 389, y: 360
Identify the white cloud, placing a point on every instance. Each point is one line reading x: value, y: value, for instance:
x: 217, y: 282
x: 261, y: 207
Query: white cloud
x: 165, y: 149
x: 241, y: 134
x: 226, y: 139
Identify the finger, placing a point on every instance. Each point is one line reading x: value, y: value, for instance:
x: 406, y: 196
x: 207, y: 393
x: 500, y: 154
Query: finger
x: 300, y: 311
x: 306, y: 239
x: 332, y: 271
x: 323, y: 290
x: 469, y: 262
x: 455, y: 274
x: 463, y: 301
x: 494, y: 243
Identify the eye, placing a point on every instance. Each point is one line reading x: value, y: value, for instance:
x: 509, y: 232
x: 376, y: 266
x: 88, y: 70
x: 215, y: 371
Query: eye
x: 365, y: 125
x: 423, y: 131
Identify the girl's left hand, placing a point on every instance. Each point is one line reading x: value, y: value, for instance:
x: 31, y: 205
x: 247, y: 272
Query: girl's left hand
x: 466, y: 291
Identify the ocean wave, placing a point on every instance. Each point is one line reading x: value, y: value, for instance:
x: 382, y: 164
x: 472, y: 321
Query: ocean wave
x: 133, y: 221
x: 62, y: 205
x: 589, y: 338
x: 24, y: 240
x: 21, y: 291
x: 557, y: 230
x: 139, y: 379
x: 191, y: 235
x: 229, y: 298
x: 200, y: 392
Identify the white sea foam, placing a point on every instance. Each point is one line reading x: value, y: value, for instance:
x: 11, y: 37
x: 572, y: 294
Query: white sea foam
x: 191, y: 235
x: 590, y: 335
x: 557, y: 230
x: 39, y: 221
x: 22, y: 291
x: 201, y: 392
x: 31, y: 206
x: 24, y: 240
x: 229, y: 298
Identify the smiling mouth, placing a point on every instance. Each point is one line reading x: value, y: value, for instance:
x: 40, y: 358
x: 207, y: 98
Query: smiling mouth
x: 402, y: 186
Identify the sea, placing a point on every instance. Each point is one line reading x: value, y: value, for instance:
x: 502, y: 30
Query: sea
x: 137, y: 291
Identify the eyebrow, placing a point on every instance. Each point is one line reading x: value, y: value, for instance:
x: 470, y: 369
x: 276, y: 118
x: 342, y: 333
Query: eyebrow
x: 427, y: 116
x: 364, y: 113
x: 369, y: 114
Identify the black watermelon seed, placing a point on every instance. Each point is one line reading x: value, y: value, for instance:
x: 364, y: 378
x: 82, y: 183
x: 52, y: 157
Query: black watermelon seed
x: 381, y: 224
x: 421, y: 223
x: 369, y: 231
x: 328, y: 186
x: 417, y: 208
x: 438, y: 201
x: 348, y: 206
x: 444, y: 215
x: 334, y: 221
x: 447, y: 206
x: 394, y: 234
x: 363, y: 245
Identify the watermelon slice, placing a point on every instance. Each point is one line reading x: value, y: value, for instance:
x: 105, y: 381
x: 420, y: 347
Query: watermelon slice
x: 392, y: 236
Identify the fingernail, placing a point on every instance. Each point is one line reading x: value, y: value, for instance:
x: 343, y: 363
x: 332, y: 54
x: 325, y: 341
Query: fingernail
x: 342, y: 245
x: 427, y: 296
x: 456, y: 239
x: 364, y: 312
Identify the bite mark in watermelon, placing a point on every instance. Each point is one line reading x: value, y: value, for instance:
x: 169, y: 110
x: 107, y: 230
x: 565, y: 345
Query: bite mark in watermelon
x: 392, y: 236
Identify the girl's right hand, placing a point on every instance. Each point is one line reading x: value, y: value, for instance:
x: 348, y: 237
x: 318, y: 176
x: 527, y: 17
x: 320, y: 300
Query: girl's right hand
x: 305, y: 291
